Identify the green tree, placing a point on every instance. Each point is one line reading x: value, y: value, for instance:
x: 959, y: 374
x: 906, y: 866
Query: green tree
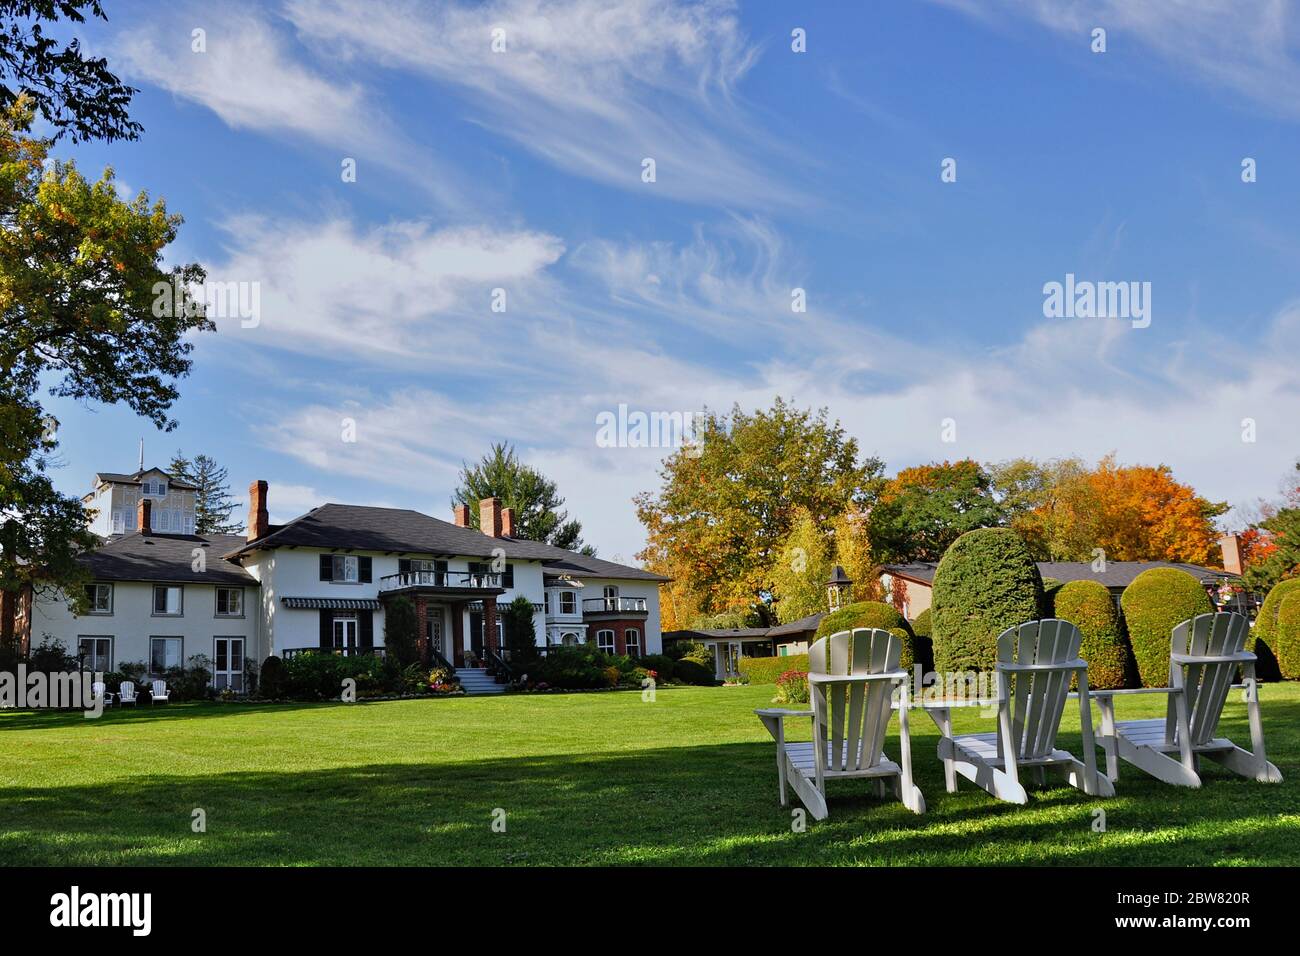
x: 728, y: 501
x: 213, y: 504
x: 73, y: 92
x: 798, y: 575
x: 1154, y: 603
x: 1283, y: 558
x: 520, y: 633
x: 538, y: 507
x: 78, y: 269
x: 923, y: 510
x: 401, y: 632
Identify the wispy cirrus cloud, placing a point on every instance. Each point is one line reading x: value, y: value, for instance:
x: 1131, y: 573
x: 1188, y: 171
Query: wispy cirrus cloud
x: 1246, y: 49
x: 593, y: 88
x: 250, y: 75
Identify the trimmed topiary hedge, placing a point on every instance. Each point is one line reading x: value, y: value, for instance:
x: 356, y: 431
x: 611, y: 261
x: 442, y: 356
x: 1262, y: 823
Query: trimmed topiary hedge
x: 1154, y: 603
x: 765, y: 670
x: 922, y: 625
x: 875, y: 614
x: 1263, y: 636
x: 1286, y: 635
x: 986, y: 582
x: 1089, y: 606
x: 1051, y: 587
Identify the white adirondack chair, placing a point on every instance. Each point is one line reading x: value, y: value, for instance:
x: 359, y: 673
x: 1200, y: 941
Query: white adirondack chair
x: 1205, y: 653
x: 854, y: 674
x: 126, y: 693
x: 1035, y: 662
x: 100, y: 691
x: 158, y: 691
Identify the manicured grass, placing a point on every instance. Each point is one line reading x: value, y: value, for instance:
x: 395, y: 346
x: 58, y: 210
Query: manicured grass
x: 584, y: 779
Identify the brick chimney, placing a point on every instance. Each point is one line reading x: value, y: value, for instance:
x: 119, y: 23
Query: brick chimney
x: 1230, y: 544
x: 144, y: 514
x: 489, y: 517
x: 460, y: 515
x: 508, y: 522
x: 259, y: 521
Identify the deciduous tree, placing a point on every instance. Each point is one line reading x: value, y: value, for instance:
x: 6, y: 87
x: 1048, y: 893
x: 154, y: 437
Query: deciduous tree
x: 923, y: 510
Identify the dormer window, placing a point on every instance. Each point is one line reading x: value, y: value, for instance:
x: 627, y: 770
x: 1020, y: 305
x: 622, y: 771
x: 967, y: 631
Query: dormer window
x: 155, y: 489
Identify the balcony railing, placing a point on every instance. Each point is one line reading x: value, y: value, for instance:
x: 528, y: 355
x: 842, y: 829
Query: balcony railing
x: 440, y: 579
x: 603, y: 605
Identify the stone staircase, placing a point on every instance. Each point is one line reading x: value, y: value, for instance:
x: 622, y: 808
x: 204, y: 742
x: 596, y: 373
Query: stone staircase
x: 477, y: 681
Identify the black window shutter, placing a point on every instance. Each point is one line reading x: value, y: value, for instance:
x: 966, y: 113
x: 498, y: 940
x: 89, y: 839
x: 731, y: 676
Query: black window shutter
x: 440, y: 566
x: 363, y: 570
x: 327, y: 567
x: 366, y: 627
x: 326, y: 629
x: 403, y: 565
x: 508, y: 579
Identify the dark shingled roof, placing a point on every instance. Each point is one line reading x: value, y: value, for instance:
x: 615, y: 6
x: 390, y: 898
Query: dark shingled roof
x: 167, y: 558
x: 1118, y: 574
x: 402, y: 531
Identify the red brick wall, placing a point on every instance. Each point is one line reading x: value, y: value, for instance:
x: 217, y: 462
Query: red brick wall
x: 620, y: 629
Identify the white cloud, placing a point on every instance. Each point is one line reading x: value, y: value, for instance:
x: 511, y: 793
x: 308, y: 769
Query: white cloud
x: 1244, y: 48
x: 594, y: 88
x: 250, y: 77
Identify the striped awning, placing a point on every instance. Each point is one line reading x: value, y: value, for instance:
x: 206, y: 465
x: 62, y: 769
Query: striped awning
x: 330, y: 604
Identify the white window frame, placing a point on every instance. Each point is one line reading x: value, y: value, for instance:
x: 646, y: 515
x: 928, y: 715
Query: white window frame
x: 164, y: 520
x: 600, y: 642
x: 216, y: 602
x: 340, y: 631
x: 180, y: 603
x: 572, y: 602
x: 180, y: 652
x: 350, y: 561
x: 94, y: 609
x: 223, y: 677
x: 119, y: 521
x: 93, y: 659
x: 628, y: 634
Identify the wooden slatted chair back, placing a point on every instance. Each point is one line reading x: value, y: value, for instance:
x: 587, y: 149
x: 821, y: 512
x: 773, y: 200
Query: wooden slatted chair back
x: 1037, y: 698
x: 1205, y: 685
x: 855, y: 744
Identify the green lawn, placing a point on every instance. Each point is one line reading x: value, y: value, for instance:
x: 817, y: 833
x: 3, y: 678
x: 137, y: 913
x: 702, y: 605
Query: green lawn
x: 584, y: 779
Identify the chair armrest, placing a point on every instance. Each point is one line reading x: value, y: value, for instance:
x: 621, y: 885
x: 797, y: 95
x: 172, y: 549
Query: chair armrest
x: 781, y: 712
x: 1094, y: 694
x: 1244, y: 657
x: 1073, y: 665
x: 961, y: 702
x: 856, y: 678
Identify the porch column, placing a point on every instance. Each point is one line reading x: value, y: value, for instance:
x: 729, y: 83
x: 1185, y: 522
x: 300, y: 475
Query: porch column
x: 458, y: 634
x: 490, y: 624
x: 421, y: 629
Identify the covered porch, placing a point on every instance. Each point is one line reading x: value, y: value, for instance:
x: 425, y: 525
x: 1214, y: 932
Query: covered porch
x: 456, y: 614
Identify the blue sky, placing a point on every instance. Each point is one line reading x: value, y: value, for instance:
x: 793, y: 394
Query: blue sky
x: 819, y: 170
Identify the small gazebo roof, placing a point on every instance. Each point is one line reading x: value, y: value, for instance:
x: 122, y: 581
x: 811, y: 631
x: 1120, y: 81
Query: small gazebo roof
x: 839, y: 577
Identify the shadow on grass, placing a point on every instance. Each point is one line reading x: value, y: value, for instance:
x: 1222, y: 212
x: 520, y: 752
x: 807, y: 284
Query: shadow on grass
x: 73, y: 719
x: 698, y: 805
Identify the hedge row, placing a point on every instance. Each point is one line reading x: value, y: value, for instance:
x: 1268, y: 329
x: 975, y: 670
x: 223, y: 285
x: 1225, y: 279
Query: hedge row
x: 765, y: 670
x: 1286, y: 633
x: 1263, y: 636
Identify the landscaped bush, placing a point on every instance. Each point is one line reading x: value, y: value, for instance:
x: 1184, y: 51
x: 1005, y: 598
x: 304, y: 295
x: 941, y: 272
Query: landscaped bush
x: 1154, y: 603
x: 792, y: 688
x: 876, y: 614
x: 661, y: 664
x: 190, y: 682
x: 321, y: 676
x: 1287, y: 636
x: 986, y: 582
x: 51, y: 657
x: 1089, y: 606
x: 689, y: 670
x: 401, y: 632
x: 923, y: 624
x: 272, y: 686
x: 1051, y: 587
x: 1263, y: 636
x: 766, y: 670
x: 575, y: 668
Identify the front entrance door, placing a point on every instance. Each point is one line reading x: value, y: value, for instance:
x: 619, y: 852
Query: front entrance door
x: 228, y: 664
x: 433, y: 630
x: 345, y: 634
x: 476, y: 633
